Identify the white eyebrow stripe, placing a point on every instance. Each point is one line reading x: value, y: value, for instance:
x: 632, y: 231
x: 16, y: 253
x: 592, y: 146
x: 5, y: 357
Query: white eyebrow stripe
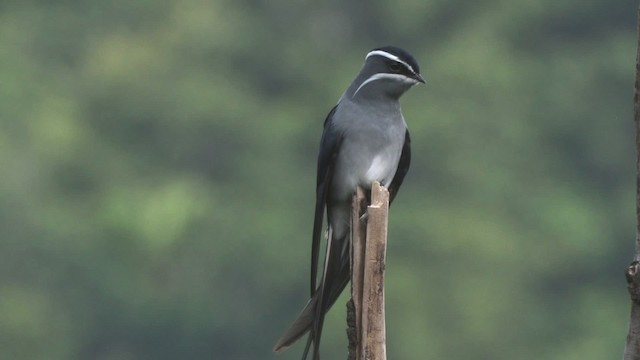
x: 389, y: 56
x: 379, y: 76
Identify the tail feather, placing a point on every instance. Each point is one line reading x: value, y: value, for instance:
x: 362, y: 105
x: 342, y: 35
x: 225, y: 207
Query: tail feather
x: 311, y: 318
x: 300, y: 326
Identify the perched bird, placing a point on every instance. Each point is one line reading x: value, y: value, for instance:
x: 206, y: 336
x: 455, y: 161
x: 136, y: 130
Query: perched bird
x: 365, y: 139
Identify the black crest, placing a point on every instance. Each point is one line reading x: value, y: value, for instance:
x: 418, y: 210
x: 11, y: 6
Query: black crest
x: 402, y: 54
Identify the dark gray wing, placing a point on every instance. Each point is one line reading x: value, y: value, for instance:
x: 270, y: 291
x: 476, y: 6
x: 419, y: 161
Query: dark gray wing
x: 329, y: 146
x: 403, y: 167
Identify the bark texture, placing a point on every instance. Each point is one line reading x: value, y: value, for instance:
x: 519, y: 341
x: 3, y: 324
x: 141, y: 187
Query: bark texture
x: 365, y: 310
x: 632, y: 349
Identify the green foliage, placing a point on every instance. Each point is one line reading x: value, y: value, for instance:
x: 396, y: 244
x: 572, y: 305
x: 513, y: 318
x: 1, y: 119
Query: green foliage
x: 158, y: 166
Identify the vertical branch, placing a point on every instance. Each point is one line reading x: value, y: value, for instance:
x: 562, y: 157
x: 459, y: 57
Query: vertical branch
x: 373, y: 321
x: 632, y: 348
x: 636, y: 118
x: 354, y: 306
x: 365, y: 310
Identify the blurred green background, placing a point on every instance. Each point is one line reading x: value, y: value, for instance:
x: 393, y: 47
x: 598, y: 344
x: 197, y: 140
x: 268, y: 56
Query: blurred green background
x: 158, y: 173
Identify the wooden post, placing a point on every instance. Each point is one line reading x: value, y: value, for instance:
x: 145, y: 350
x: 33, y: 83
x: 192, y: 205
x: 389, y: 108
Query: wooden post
x: 365, y: 310
x: 354, y: 305
x: 632, y: 348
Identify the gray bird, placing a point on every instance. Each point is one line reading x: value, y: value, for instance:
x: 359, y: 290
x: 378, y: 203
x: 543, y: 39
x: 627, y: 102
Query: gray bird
x: 365, y: 139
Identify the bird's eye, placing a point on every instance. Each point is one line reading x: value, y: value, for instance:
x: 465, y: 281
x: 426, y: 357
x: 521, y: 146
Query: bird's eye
x: 394, y: 66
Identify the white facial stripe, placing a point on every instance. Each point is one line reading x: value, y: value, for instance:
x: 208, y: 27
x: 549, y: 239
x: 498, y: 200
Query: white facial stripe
x: 389, y: 56
x: 379, y: 76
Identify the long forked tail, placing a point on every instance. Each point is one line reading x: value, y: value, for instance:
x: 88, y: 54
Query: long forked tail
x: 334, y: 279
x: 300, y: 326
x: 311, y: 318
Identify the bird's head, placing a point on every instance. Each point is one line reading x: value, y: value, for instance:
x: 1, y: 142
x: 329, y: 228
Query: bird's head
x: 388, y: 71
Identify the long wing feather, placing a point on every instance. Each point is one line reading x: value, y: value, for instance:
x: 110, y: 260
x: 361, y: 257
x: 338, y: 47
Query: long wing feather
x: 403, y: 167
x: 329, y: 145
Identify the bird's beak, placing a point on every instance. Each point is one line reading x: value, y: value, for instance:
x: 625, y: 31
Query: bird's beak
x: 419, y: 78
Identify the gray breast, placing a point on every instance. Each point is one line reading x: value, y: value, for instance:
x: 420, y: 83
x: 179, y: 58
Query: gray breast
x: 371, y: 146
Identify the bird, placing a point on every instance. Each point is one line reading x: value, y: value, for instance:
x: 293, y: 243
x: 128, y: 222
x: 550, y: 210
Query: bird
x: 365, y: 139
